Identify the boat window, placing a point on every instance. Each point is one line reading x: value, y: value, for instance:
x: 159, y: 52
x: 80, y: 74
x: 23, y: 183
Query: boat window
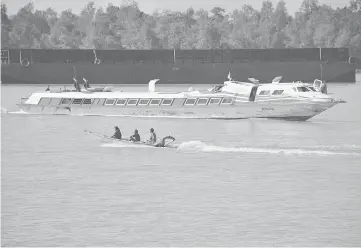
x: 132, y: 102
x: 87, y: 101
x: 121, y: 102
x: 77, y: 101
x: 311, y: 88
x: 55, y: 101
x: 302, y: 89
x: 167, y: 101
x: 227, y: 100
x: 109, y: 102
x: 264, y: 92
x: 44, y: 101
x: 202, y: 101
x: 99, y: 101
x: 155, y: 102
x: 217, y: 88
x: 277, y: 92
x: 65, y: 101
x: 190, y: 102
x: 215, y: 101
x: 143, y: 102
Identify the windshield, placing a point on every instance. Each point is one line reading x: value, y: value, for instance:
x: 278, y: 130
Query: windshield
x: 311, y: 88
x: 302, y: 89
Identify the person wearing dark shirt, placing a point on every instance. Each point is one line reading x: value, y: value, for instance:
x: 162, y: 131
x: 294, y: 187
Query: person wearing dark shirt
x: 117, y: 134
x: 135, y: 136
x: 323, y: 88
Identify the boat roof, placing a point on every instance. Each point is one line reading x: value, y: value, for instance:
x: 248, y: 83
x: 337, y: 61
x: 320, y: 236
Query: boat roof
x: 151, y: 93
x: 270, y: 85
x: 285, y: 85
x: 119, y: 94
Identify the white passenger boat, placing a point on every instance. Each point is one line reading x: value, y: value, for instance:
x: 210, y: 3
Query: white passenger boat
x: 232, y: 100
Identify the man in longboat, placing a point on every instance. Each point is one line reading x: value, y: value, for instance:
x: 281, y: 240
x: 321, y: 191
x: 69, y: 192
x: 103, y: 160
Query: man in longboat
x: 117, y: 134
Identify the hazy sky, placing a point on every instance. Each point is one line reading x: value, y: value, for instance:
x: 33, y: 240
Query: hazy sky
x: 149, y: 6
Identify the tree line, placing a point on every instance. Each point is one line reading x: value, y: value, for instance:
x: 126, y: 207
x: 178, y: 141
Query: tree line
x: 127, y: 27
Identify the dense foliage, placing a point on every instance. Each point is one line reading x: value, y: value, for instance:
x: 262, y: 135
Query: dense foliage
x: 127, y: 27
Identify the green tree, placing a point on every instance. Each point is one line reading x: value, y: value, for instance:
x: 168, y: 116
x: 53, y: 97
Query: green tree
x: 5, y: 26
x: 125, y: 26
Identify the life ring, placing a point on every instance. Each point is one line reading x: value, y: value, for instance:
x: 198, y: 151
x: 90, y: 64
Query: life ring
x: 352, y: 60
x: 25, y: 63
x: 97, y: 61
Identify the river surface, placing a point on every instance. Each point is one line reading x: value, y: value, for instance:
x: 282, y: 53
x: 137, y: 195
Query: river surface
x: 230, y: 183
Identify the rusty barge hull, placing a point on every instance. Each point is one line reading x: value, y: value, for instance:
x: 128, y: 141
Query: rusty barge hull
x: 34, y: 66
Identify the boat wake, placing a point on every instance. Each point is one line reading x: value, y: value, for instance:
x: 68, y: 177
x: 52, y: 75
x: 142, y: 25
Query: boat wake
x: 202, y: 147
x: 198, y: 146
x: 339, y: 147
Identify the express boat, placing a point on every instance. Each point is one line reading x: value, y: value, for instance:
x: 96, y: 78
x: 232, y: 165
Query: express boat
x: 231, y: 100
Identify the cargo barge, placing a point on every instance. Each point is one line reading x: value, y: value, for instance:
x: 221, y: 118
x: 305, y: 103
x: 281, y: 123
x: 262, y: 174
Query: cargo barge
x: 51, y: 66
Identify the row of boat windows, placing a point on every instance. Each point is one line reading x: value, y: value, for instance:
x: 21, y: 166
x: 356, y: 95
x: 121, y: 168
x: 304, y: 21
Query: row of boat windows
x: 280, y: 92
x: 267, y: 92
x: 141, y: 102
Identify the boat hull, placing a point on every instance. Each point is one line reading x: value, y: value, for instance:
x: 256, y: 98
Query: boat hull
x: 297, y: 111
x: 190, y: 73
x: 106, y: 138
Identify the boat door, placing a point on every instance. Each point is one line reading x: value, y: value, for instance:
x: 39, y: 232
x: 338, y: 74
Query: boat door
x: 252, y: 95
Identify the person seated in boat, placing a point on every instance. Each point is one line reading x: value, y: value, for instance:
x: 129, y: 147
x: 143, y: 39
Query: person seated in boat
x: 153, y: 137
x: 135, y: 136
x: 323, y: 87
x: 117, y: 134
x: 86, y: 83
x: 76, y: 85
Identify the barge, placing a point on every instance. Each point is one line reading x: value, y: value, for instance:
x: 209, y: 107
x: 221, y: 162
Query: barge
x: 55, y: 66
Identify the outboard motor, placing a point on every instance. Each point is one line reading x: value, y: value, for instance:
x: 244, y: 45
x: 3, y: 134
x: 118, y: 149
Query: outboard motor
x: 252, y: 95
